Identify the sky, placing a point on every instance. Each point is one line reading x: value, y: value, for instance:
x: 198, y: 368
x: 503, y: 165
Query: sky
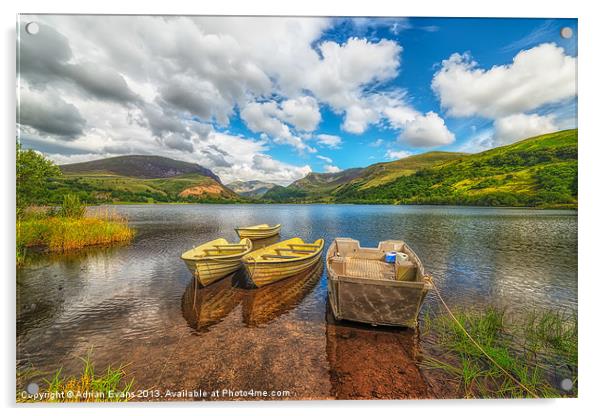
x: 275, y: 98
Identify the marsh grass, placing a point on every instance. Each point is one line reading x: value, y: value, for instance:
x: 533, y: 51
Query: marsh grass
x: 529, y: 348
x: 108, y: 386
x: 59, y: 233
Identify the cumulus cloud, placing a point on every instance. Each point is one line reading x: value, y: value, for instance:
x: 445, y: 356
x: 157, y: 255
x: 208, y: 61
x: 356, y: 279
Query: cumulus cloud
x: 427, y: 130
x: 331, y: 169
x: 264, y: 118
x: 521, y: 126
x: 329, y: 140
x: 537, y: 76
x: 301, y: 112
x: 49, y: 114
x: 397, y: 154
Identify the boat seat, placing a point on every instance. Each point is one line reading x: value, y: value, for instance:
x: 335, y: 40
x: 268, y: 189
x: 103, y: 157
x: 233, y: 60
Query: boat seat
x: 295, y: 250
x: 278, y: 256
x: 304, y: 245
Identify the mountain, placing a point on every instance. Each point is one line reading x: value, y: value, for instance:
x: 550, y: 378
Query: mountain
x: 323, y: 186
x: 539, y: 171
x: 138, y: 166
x: 139, y: 179
x: 250, y: 188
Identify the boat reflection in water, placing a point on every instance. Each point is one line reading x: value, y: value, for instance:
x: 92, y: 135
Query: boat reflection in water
x: 264, y: 304
x: 203, y: 307
x: 373, y: 363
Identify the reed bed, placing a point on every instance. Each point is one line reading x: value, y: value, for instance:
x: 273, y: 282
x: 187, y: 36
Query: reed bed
x: 58, y: 233
x: 539, y: 349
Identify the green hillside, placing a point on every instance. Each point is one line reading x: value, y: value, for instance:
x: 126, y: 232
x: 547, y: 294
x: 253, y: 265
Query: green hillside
x: 138, y: 179
x: 98, y: 188
x: 539, y: 171
x: 324, y: 186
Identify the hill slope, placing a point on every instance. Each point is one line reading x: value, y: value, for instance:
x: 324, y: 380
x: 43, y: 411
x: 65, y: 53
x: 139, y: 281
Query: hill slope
x: 323, y: 186
x: 139, y: 179
x: 138, y: 166
x: 539, y: 171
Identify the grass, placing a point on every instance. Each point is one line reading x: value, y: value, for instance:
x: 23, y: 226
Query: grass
x: 57, y: 233
x: 107, y: 386
x: 528, y: 348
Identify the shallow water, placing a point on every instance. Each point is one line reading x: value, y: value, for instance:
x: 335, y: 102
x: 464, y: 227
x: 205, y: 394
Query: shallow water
x: 138, y: 304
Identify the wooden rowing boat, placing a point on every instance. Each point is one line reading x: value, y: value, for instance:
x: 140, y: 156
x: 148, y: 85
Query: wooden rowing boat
x: 216, y: 259
x: 281, y: 260
x: 363, y: 287
x: 255, y: 232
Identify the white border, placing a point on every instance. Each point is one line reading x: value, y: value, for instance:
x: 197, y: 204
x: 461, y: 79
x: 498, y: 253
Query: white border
x: 589, y: 181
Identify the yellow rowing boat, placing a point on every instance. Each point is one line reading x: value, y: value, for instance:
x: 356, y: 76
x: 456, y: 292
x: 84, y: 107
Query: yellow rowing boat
x: 216, y: 259
x: 255, y: 232
x: 281, y: 260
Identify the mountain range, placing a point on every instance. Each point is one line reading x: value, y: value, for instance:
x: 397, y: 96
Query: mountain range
x: 539, y: 171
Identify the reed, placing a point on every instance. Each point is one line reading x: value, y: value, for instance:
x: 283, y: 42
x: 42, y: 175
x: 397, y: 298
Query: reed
x: 108, y: 386
x: 58, y: 233
x: 535, y: 348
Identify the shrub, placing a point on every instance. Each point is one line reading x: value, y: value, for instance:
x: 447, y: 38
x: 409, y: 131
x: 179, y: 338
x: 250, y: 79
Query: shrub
x: 72, y: 207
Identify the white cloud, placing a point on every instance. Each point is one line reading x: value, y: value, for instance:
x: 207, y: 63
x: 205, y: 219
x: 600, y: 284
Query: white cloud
x: 537, y: 76
x: 329, y: 140
x: 510, y: 129
x: 522, y: 126
x: 301, y: 112
x: 394, y: 155
x: 263, y: 118
x: 331, y: 169
x: 324, y: 158
x: 377, y: 143
x: 428, y: 130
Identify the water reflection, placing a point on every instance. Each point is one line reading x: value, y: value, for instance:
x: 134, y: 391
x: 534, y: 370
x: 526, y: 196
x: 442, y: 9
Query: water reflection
x: 265, y: 304
x: 373, y: 362
x: 203, y: 307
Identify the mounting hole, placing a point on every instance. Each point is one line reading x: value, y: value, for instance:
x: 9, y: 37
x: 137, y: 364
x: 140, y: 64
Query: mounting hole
x: 32, y: 28
x: 566, y: 384
x: 566, y: 32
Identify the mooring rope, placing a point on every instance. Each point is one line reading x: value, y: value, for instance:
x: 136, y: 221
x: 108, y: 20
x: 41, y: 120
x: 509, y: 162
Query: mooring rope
x: 507, y: 373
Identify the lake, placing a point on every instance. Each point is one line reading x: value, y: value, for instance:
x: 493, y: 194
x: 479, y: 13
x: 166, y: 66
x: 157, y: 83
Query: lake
x: 138, y: 304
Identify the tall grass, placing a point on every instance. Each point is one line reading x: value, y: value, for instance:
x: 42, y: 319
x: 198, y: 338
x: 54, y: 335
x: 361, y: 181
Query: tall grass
x: 60, y: 233
x: 525, y: 347
x: 88, y: 386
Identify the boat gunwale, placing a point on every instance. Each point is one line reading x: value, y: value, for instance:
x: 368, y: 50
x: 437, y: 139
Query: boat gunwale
x: 284, y: 261
x: 417, y: 284
x: 254, y: 228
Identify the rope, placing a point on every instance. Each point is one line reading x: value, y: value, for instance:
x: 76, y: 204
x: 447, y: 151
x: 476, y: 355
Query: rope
x: 510, y: 376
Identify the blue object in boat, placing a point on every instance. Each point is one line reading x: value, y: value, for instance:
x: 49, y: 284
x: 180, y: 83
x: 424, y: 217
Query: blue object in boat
x: 390, y: 256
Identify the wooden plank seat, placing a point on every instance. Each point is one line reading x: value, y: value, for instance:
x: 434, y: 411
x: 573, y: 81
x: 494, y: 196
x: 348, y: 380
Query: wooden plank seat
x: 278, y: 256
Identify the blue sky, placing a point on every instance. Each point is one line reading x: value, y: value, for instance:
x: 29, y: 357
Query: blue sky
x: 272, y: 99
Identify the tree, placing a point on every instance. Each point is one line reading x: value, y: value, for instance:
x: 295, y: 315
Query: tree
x: 33, y: 173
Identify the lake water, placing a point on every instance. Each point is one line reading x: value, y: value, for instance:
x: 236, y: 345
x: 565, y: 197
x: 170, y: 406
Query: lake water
x: 138, y: 304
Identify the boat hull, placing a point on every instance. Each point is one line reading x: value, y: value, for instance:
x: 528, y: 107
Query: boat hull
x: 263, y: 274
x: 258, y: 233
x: 207, y: 271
